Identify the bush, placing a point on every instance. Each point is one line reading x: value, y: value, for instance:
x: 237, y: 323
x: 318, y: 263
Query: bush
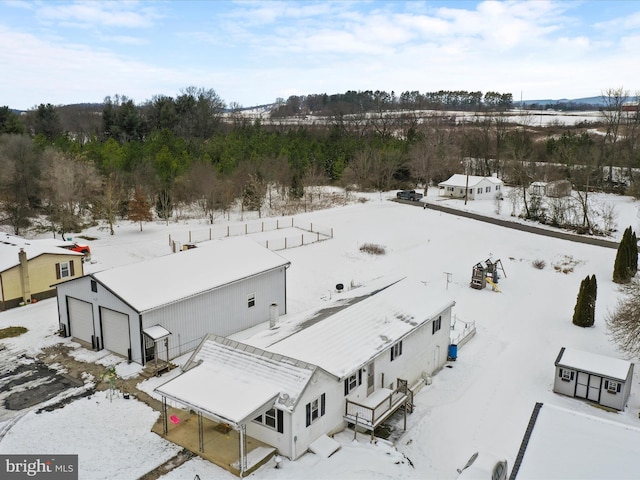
x: 539, y: 264
x: 373, y: 249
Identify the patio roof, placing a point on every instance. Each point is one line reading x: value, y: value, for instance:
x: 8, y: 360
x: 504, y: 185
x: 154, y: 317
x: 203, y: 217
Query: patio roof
x: 220, y: 395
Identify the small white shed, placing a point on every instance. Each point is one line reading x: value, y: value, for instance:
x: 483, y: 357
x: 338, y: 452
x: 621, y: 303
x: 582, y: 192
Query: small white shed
x: 601, y: 379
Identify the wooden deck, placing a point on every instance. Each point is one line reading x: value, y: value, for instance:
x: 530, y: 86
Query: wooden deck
x: 221, y: 444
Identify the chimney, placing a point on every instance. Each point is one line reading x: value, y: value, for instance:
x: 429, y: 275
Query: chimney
x: 24, y: 276
x: 273, y: 315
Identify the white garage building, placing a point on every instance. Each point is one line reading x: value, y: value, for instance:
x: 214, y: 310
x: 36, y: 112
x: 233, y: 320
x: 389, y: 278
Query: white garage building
x: 222, y: 288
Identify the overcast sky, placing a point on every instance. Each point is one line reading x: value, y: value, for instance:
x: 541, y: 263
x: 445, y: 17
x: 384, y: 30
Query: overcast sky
x: 253, y: 52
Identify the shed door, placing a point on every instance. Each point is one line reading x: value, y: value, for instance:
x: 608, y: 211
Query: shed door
x: 80, y: 319
x: 115, y: 331
x: 582, y: 385
x: 594, y: 388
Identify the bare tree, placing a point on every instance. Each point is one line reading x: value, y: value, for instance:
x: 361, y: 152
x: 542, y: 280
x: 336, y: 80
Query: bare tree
x: 614, y: 99
x: 139, y: 207
x: 623, y: 324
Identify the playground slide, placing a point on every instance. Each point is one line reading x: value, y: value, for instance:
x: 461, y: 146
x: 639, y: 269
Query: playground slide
x: 493, y: 285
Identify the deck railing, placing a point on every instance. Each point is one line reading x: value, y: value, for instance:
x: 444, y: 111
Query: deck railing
x: 370, y: 416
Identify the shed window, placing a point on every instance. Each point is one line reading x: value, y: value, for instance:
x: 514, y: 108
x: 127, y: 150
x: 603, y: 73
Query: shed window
x: 251, y: 300
x: 396, y: 350
x: 436, y: 325
x: 497, y: 187
x: 94, y: 286
x: 566, y: 375
x: 612, y: 387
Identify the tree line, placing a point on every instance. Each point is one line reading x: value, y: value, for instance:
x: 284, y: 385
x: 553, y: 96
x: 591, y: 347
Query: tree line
x: 64, y: 166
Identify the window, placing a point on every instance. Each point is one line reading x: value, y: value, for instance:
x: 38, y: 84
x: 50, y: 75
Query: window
x: 251, y: 300
x: 94, y: 286
x: 315, y: 409
x: 64, y: 270
x: 612, y: 387
x: 462, y: 191
x: 567, y: 375
x: 436, y: 325
x: 396, y: 350
x: 273, y: 419
x: 480, y: 190
x: 487, y: 189
x: 497, y: 187
x: 352, y: 382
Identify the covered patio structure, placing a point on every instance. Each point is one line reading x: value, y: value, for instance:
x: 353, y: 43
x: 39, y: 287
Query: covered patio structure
x: 213, y: 423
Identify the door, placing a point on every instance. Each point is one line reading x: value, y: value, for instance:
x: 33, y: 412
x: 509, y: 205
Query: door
x: 594, y: 388
x: 436, y: 358
x: 81, y: 320
x: 115, y: 331
x: 582, y: 385
x: 149, y: 349
x: 371, y: 378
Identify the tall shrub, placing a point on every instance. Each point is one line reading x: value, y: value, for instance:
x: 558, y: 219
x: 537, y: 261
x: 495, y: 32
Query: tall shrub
x: 585, y: 309
x: 622, y: 268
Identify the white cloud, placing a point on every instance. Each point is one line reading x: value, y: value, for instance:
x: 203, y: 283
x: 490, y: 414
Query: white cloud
x: 90, y: 14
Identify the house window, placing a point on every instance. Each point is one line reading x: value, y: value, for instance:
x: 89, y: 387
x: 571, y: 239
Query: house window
x: 487, y: 189
x: 273, y: 419
x: 497, y: 187
x: 64, y: 269
x: 352, y: 382
x: 251, y: 300
x: 436, y: 325
x: 480, y: 190
x: 612, y: 387
x: 462, y: 191
x: 94, y: 286
x: 396, y: 350
x: 567, y: 375
x: 315, y: 409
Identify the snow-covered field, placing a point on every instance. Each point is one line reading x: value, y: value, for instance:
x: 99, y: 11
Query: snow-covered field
x: 482, y: 403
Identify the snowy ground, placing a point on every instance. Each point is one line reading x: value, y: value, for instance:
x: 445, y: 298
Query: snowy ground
x: 482, y: 403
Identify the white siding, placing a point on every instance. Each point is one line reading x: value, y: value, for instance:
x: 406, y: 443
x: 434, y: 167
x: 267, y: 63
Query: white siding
x: 222, y: 311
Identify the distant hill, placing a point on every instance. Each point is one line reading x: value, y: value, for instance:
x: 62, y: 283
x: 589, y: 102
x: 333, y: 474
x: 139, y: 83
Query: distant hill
x: 595, y: 101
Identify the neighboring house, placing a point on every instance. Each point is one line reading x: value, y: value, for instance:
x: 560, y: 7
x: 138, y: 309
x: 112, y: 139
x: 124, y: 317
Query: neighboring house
x: 601, y: 379
x: 224, y: 287
x: 311, y: 376
x: 478, y: 188
x: 29, y: 270
x: 562, y: 443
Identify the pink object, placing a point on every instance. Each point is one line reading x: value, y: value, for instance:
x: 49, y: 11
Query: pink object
x: 174, y: 419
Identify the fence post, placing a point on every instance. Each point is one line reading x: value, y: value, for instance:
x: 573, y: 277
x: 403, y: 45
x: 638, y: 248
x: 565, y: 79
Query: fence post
x: 189, y: 236
x: 312, y: 227
x: 169, y: 239
x: 267, y: 244
x: 318, y: 236
x: 227, y: 230
x: 209, y: 233
x: 302, y: 239
x: 277, y: 224
x: 331, y: 232
x: 245, y: 228
x: 292, y: 221
x: 263, y: 226
x: 285, y: 243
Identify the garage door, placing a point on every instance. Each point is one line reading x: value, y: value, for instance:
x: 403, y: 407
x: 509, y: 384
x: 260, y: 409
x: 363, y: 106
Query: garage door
x: 115, y: 331
x: 80, y: 319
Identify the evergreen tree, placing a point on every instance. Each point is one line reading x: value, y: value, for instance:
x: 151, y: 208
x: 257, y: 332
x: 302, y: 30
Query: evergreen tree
x: 622, y: 268
x: 584, y: 311
x: 633, y: 252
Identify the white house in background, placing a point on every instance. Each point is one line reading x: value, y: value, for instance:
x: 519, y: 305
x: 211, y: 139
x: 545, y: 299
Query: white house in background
x: 310, y: 376
x: 223, y: 287
x: 479, y: 188
x: 561, y: 443
x: 601, y: 379
x: 29, y: 269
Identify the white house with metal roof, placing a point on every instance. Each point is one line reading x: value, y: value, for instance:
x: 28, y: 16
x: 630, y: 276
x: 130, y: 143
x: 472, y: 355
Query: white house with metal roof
x: 479, y: 188
x: 29, y: 269
x: 601, y: 379
x: 223, y: 287
x: 313, y: 374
